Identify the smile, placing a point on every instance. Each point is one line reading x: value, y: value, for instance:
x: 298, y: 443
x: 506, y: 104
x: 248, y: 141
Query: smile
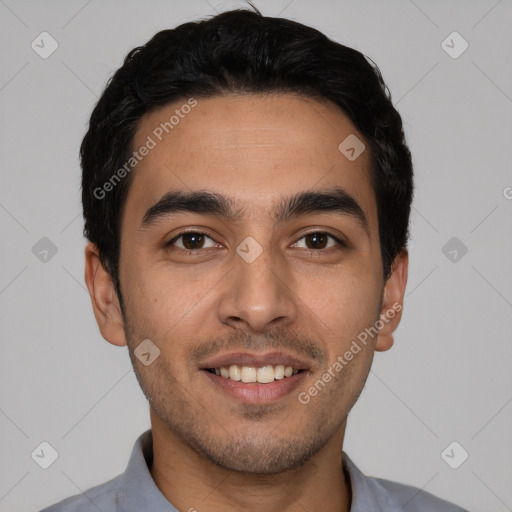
x: 262, y: 375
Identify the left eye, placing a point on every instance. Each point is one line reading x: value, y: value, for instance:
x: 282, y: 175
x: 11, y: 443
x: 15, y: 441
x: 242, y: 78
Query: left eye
x: 318, y: 239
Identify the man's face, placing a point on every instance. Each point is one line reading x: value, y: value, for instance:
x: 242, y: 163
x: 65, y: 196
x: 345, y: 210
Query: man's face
x: 254, y: 291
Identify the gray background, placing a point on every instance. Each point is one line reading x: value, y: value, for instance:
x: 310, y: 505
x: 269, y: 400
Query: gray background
x: 448, y: 376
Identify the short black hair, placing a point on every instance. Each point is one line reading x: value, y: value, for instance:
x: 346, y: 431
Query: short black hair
x: 241, y: 51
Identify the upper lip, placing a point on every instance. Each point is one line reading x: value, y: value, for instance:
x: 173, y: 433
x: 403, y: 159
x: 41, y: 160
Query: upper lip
x: 253, y: 359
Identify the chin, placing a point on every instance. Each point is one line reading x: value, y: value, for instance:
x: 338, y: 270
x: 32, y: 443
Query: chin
x: 262, y: 456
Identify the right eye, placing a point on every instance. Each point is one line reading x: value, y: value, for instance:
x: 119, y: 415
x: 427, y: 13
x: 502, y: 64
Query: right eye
x: 192, y: 241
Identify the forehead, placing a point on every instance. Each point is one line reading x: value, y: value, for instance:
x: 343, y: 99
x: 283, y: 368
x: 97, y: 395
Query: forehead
x: 252, y: 148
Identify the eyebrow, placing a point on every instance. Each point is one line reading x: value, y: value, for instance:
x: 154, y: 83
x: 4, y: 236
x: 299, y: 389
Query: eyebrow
x: 332, y: 200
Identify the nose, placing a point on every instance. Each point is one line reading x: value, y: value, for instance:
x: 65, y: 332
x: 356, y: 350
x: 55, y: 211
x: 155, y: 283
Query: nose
x: 258, y: 296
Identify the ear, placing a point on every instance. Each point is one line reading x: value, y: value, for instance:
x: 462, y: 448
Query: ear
x: 392, y: 301
x: 105, y: 302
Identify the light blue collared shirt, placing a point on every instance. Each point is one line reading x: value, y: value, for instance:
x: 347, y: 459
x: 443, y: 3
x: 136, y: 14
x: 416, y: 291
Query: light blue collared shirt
x: 135, y: 491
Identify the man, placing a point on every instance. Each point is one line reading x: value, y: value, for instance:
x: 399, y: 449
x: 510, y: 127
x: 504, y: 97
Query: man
x: 246, y: 193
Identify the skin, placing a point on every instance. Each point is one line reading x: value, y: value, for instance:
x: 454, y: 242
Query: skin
x: 210, y: 451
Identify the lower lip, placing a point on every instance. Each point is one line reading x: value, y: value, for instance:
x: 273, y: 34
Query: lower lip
x: 253, y: 392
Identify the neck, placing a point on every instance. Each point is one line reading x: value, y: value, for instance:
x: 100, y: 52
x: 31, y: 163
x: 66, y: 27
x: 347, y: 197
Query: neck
x: 192, y: 483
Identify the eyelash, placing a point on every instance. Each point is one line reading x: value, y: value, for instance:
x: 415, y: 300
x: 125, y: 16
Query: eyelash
x: 194, y: 252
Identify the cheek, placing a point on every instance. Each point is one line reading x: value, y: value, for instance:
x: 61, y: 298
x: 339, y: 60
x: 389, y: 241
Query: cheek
x: 341, y: 305
x: 169, y: 307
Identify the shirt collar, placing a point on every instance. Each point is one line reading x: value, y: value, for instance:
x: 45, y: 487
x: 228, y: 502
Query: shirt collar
x: 138, y: 489
x: 367, y: 493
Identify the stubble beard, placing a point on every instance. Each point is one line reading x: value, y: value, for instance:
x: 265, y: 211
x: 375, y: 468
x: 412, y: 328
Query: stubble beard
x: 248, y: 450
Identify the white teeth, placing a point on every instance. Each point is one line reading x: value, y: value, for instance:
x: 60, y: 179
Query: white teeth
x: 279, y: 371
x: 234, y: 372
x: 263, y: 375
x: 248, y: 374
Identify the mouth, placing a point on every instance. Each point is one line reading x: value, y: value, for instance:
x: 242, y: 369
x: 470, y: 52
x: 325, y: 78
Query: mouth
x: 255, y: 378
x: 262, y: 375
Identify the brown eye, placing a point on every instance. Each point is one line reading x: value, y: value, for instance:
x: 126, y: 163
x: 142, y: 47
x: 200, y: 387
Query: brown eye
x: 191, y: 240
x: 319, y: 240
